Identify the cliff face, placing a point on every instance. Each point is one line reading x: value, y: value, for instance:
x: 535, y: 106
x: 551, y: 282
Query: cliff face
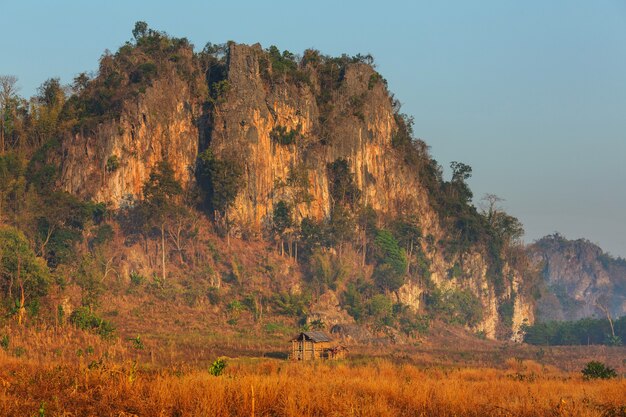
x: 252, y: 110
x: 582, y: 280
x: 359, y: 129
x: 354, y: 123
x: 112, y: 162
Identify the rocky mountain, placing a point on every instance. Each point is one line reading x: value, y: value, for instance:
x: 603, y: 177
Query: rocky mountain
x: 582, y: 280
x: 254, y: 132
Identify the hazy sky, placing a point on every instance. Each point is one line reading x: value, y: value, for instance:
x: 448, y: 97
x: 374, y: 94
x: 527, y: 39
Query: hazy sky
x: 531, y: 94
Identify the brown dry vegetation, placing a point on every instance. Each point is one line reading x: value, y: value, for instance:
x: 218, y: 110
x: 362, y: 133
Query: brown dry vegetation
x: 264, y: 387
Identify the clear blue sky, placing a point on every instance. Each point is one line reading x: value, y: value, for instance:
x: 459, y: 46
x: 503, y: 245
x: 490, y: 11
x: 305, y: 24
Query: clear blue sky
x: 531, y: 94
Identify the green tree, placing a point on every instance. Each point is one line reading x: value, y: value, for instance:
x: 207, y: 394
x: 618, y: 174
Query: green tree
x: 11, y: 175
x: 598, y: 370
x: 24, y: 276
x: 460, y: 174
x: 161, y: 193
x: 281, y: 222
x: 391, y: 262
x: 8, y: 90
x: 140, y: 30
x: 60, y: 222
x: 343, y: 189
x: 220, y: 180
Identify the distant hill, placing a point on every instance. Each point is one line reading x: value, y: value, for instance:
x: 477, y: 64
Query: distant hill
x: 581, y: 279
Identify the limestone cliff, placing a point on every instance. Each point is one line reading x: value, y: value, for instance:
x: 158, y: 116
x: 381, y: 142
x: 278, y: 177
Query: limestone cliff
x: 581, y: 279
x: 359, y: 129
x: 354, y: 120
x: 111, y: 162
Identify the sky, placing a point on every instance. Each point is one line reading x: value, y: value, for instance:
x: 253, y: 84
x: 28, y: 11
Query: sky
x: 531, y: 94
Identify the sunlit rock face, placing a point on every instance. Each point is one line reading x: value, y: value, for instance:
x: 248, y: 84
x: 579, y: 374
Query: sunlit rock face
x: 356, y: 124
x: 158, y: 125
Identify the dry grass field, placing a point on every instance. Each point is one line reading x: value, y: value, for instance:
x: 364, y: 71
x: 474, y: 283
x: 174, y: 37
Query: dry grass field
x: 268, y: 387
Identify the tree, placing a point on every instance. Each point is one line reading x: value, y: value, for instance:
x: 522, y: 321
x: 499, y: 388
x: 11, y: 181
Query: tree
x: 343, y: 189
x: 140, y: 30
x: 506, y: 228
x: 8, y: 90
x: 391, y: 268
x: 409, y: 234
x: 45, y: 110
x: 366, y: 220
x: 220, y: 180
x: 60, y: 220
x: 602, y: 303
x: 460, y: 174
x: 160, y: 193
x: 281, y: 222
x: 22, y: 274
x: 11, y: 170
x: 598, y: 370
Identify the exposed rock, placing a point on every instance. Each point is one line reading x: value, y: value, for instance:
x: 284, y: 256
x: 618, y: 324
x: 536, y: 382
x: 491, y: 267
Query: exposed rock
x: 158, y: 125
x: 328, y: 311
x: 358, y: 125
x: 581, y: 279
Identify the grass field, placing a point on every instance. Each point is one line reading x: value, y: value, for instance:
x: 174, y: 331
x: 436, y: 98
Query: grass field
x: 66, y: 372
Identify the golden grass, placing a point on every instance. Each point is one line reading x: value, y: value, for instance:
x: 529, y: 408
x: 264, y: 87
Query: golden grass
x: 262, y: 387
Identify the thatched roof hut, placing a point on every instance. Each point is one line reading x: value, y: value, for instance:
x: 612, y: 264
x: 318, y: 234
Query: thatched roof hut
x: 315, y: 345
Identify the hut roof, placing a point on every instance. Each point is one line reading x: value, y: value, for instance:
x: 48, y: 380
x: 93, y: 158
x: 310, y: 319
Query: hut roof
x: 313, y: 336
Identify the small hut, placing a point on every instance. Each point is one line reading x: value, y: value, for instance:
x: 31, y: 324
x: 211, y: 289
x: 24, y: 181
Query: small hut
x: 315, y: 345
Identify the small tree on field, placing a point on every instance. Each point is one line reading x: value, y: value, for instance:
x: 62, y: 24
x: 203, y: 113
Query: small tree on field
x: 598, y: 370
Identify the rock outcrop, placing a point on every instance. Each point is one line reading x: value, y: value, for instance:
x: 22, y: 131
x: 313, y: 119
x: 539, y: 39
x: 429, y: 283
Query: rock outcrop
x: 582, y: 280
x: 355, y: 122
x: 112, y: 162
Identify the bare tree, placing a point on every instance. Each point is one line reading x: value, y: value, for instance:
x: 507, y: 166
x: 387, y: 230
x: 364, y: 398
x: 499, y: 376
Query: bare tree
x: 602, y: 303
x: 490, y: 206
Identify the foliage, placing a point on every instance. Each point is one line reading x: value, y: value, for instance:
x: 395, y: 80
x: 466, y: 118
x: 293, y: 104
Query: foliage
x: 598, y: 370
x: 113, y: 163
x: 128, y: 73
x: 582, y: 332
x: 455, y: 306
x: 391, y: 262
x: 220, y: 179
x: 5, y: 341
x: 276, y: 67
x: 217, y: 367
x: 354, y: 298
x: 343, y: 189
x: 136, y: 278
x: 409, y: 322
x: 325, y: 270
x: 506, y: 310
x: 290, y: 304
x: 281, y: 218
x: 84, y: 318
x: 283, y: 136
x: 137, y: 343
x: 22, y: 273
x: 102, y: 234
x: 161, y: 189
